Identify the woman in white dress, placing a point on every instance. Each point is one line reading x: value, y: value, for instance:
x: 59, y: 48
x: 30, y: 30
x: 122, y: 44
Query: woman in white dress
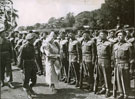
x: 52, y: 62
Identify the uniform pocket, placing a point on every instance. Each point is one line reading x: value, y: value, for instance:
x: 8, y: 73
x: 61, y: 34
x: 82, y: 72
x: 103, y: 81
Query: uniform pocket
x: 126, y: 66
x: 104, y: 50
x: 123, y: 53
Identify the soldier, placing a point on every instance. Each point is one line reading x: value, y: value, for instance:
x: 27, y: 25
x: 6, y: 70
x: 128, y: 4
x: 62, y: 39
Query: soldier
x: 19, y: 42
x: 37, y: 45
x: 5, y: 60
x: 112, y: 37
x: 27, y: 55
x: 19, y: 36
x: 132, y: 66
x: 79, y: 36
x: 19, y: 46
x: 128, y: 35
x: 123, y: 57
x: 43, y: 38
x: 64, y: 56
x: 88, y: 59
x: 74, y: 58
x: 103, y: 63
x: 12, y: 40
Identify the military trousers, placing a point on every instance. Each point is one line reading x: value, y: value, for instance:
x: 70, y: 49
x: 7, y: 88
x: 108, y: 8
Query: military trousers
x: 6, y: 68
x: 89, y: 70
x: 29, y: 73
x: 64, y: 69
x: 122, y: 77
x: 39, y: 62
x: 104, y: 72
x: 76, y: 69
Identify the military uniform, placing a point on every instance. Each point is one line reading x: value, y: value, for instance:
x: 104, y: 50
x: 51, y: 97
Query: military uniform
x: 37, y: 45
x: 132, y: 66
x: 12, y: 40
x: 64, y: 58
x: 5, y: 59
x: 74, y: 57
x: 27, y: 55
x: 104, y: 63
x: 122, y: 55
x: 112, y: 40
x: 88, y: 59
x: 18, y: 45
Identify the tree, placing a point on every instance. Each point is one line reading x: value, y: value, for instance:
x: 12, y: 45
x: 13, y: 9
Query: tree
x: 29, y: 28
x: 10, y: 15
x: 70, y: 19
x: 37, y: 26
x: 79, y: 19
x: 51, y: 20
x: 106, y: 16
x: 21, y: 28
x: 124, y: 9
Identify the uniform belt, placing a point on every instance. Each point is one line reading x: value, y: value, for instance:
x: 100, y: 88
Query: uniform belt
x: 86, y: 53
x: 4, y: 52
x: 103, y: 57
x: 72, y: 53
x: 29, y: 59
x: 122, y: 61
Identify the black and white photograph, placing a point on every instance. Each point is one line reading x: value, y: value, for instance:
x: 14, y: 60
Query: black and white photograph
x: 67, y: 49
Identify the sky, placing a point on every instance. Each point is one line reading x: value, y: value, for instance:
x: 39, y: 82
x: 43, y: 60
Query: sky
x: 39, y: 11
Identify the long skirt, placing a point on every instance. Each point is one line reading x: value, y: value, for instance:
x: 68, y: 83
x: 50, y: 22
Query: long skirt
x: 52, y: 71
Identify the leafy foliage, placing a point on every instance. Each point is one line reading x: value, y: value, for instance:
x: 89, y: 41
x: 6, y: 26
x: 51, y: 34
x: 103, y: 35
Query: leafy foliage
x: 107, y: 17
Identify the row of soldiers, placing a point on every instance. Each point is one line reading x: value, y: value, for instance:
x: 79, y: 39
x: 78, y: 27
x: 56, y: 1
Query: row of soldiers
x: 84, y: 56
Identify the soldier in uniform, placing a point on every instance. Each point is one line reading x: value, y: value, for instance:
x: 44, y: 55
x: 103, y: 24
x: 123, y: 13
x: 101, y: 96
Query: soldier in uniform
x: 112, y: 37
x: 88, y: 58
x: 12, y: 40
x: 27, y: 55
x: 103, y: 63
x: 132, y: 66
x: 64, y: 56
x: 123, y: 57
x: 37, y: 45
x: 5, y: 60
x: 128, y: 35
x: 19, y: 46
x: 74, y: 58
x: 79, y: 36
x: 19, y: 43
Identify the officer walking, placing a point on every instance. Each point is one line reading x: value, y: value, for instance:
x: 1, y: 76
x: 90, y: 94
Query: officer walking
x: 27, y: 55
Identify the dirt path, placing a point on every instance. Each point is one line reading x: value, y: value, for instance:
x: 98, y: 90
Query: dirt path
x: 65, y: 91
